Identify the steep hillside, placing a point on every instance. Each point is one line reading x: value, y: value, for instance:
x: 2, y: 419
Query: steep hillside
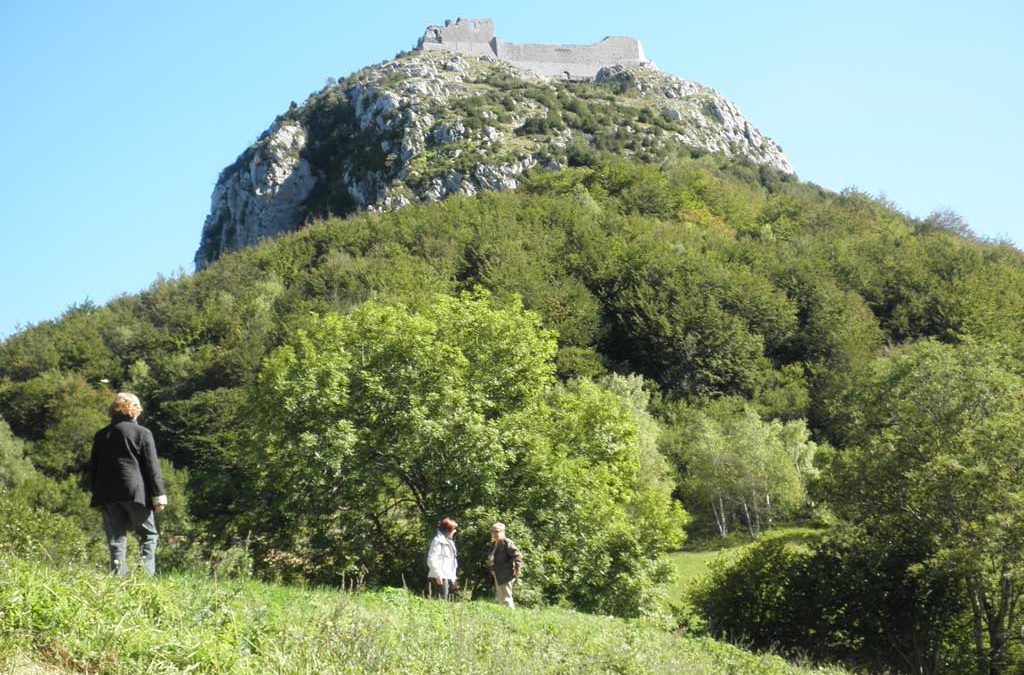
x: 428, y: 125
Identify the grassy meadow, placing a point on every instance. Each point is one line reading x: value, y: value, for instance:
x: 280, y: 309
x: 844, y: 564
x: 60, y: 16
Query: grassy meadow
x: 690, y: 565
x: 76, y: 620
x: 700, y: 553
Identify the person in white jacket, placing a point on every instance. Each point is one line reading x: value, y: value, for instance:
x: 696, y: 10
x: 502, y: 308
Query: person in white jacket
x: 442, y: 558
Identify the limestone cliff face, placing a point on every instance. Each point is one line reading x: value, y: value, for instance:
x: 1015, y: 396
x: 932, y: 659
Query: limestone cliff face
x: 263, y: 193
x: 428, y: 125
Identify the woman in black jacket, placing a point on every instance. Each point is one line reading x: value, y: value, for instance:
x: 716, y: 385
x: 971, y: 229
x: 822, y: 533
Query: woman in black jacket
x: 127, y: 485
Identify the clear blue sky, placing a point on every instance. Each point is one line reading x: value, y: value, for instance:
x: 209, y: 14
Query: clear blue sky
x: 116, y: 117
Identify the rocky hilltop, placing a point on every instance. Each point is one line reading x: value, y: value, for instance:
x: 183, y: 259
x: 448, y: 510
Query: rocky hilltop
x: 430, y: 124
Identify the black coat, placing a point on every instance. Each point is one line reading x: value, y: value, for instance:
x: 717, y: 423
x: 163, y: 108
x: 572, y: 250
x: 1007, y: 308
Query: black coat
x: 123, y: 466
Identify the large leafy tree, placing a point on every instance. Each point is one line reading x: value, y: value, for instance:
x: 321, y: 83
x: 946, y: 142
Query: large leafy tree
x: 373, y: 425
x: 942, y: 459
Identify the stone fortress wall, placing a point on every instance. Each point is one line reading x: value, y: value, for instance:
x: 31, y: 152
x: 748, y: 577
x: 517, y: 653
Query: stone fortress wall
x: 475, y: 37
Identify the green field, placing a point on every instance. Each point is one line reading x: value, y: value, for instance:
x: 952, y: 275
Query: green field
x: 691, y: 564
x: 75, y: 620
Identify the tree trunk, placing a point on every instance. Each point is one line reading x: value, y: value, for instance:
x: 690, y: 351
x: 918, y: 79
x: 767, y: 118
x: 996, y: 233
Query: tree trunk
x: 754, y: 514
x: 977, y: 595
x: 1001, y: 621
x: 719, y: 513
x: 750, y: 521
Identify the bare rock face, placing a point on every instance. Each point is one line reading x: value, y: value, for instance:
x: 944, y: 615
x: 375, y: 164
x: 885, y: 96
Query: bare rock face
x: 431, y: 124
x: 260, y: 195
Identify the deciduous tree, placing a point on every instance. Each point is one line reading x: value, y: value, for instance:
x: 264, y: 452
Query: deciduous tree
x: 942, y: 439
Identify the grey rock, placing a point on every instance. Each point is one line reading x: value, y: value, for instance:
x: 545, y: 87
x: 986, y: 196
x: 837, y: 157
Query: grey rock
x: 448, y: 133
x: 410, y: 110
x: 261, y: 195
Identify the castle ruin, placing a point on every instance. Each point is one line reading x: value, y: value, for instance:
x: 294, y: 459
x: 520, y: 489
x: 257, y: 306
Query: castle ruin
x: 475, y: 37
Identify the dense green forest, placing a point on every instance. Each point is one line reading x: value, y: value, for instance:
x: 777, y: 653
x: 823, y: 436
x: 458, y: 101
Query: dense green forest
x: 611, y: 359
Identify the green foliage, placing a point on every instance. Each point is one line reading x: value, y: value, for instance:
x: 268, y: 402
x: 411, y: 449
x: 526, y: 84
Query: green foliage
x: 541, y: 125
x: 42, y: 519
x: 942, y: 428
x: 709, y: 278
x: 15, y: 468
x: 29, y: 353
x: 594, y: 494
x: 738, y: 467
x: 77, y: 620
x: 42, y: 535
x: 697, y: 297
x: 179, y: 534
x: 203, y: 433
x: 372, y: 426
x: 59, y: 414
x: 689, y: 566
x: 841, y: 596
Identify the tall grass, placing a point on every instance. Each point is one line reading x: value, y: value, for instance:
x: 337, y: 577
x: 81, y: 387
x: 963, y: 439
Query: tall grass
x: 76, y: 620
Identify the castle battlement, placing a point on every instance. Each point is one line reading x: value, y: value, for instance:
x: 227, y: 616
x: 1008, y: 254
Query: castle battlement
x: 475, y: 37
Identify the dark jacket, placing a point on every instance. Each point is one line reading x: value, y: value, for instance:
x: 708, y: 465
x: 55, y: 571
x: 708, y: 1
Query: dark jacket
x: 507, y: 561
x: 123, y: 466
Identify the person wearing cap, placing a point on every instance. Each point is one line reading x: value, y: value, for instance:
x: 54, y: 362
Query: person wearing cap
x: 506, y: 562
x: 442, y: 558
x: 127, y: 486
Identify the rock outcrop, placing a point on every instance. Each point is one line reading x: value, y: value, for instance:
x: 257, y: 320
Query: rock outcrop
x: 431, y: 124
x: 263, y: 193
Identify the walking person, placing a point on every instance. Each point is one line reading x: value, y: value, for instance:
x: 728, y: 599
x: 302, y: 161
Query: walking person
x: 442, y: 558
x: 127, y: 485
x: 506, y: 562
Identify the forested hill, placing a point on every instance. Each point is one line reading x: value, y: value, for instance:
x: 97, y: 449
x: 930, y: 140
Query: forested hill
x: 595, y: 358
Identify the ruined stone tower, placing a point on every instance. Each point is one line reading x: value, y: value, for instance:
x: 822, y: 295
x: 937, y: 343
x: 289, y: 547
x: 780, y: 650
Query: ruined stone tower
x: 475, y: 37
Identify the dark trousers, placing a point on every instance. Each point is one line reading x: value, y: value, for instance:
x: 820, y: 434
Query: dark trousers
x: 119, y: 518
x: 441, y: 591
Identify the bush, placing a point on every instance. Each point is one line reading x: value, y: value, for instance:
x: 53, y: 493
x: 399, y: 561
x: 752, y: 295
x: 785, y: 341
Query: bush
x: 841, y: 597
x: 541, y: 125
x: 14, y: 467
x: 43, y: 536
